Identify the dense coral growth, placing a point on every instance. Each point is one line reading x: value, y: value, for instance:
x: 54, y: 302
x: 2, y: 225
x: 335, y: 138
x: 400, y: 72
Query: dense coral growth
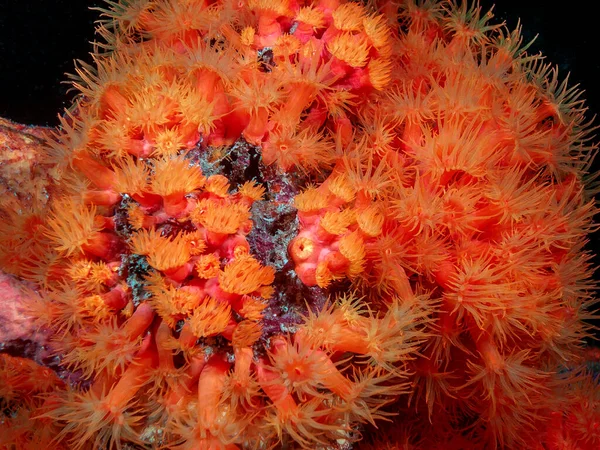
x: 437, y: 273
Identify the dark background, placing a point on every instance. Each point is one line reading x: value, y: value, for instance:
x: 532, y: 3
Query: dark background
x: 39, y: 39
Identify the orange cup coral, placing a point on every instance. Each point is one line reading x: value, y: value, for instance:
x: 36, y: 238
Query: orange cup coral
x: 280, y: 224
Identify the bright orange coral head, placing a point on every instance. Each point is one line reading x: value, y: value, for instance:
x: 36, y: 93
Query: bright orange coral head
x: 281, y: 223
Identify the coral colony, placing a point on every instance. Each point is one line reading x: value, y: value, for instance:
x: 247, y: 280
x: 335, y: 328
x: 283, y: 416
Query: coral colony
x: 320, y: 225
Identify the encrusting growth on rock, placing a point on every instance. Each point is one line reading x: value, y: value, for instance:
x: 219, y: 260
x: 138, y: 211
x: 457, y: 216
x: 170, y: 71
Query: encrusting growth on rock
x: 308, y: 224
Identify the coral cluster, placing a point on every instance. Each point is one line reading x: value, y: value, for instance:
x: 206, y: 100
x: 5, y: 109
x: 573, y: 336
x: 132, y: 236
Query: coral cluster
x: 283, y: 224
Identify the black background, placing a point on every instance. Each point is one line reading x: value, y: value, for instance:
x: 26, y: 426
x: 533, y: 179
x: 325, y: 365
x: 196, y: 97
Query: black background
x: 39, y: 39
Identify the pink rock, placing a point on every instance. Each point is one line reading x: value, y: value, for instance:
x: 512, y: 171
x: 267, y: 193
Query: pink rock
x: 19, y: 335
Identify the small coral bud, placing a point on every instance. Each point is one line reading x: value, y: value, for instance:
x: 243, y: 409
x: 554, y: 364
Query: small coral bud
x: 309, y: 19
x: 344, y: 129
x: 164, y: 254
x: 72, y: 226
x: 172, y: 180
x: 336, y: 262
x: 349, y: 17
x: 352, y: 246
x: 245, y: 275
x: 246, y: 333
x: 446, y: 273
x: 195, y: 242
x: 380, y: 73
x: 247, y: 36
x: 251, y: 308
x: 266, y: 292
x: 493, y: 359
x: 234, y: 247
x: 127, y: 312
x: 210, y: 317
x: 170, y: 302
x: 341, y: 187
x: 323, y: 275
x: 131, y: 176
x: 285, y: 46
x: 370, y: 221
x: 252, y: 191
x: 167, y: 143
x: 208, y: 266
x: 337, y: 222
x: 92, y: 276
x: 309, y: 203
x: 220, y: 218
x: 269, y: 29
x: 218, y: 185
x: 301, y: 249
x: 351, y: 49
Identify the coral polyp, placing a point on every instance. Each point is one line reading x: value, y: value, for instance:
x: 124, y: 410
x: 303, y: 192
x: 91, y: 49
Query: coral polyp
x: 308, y: 224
